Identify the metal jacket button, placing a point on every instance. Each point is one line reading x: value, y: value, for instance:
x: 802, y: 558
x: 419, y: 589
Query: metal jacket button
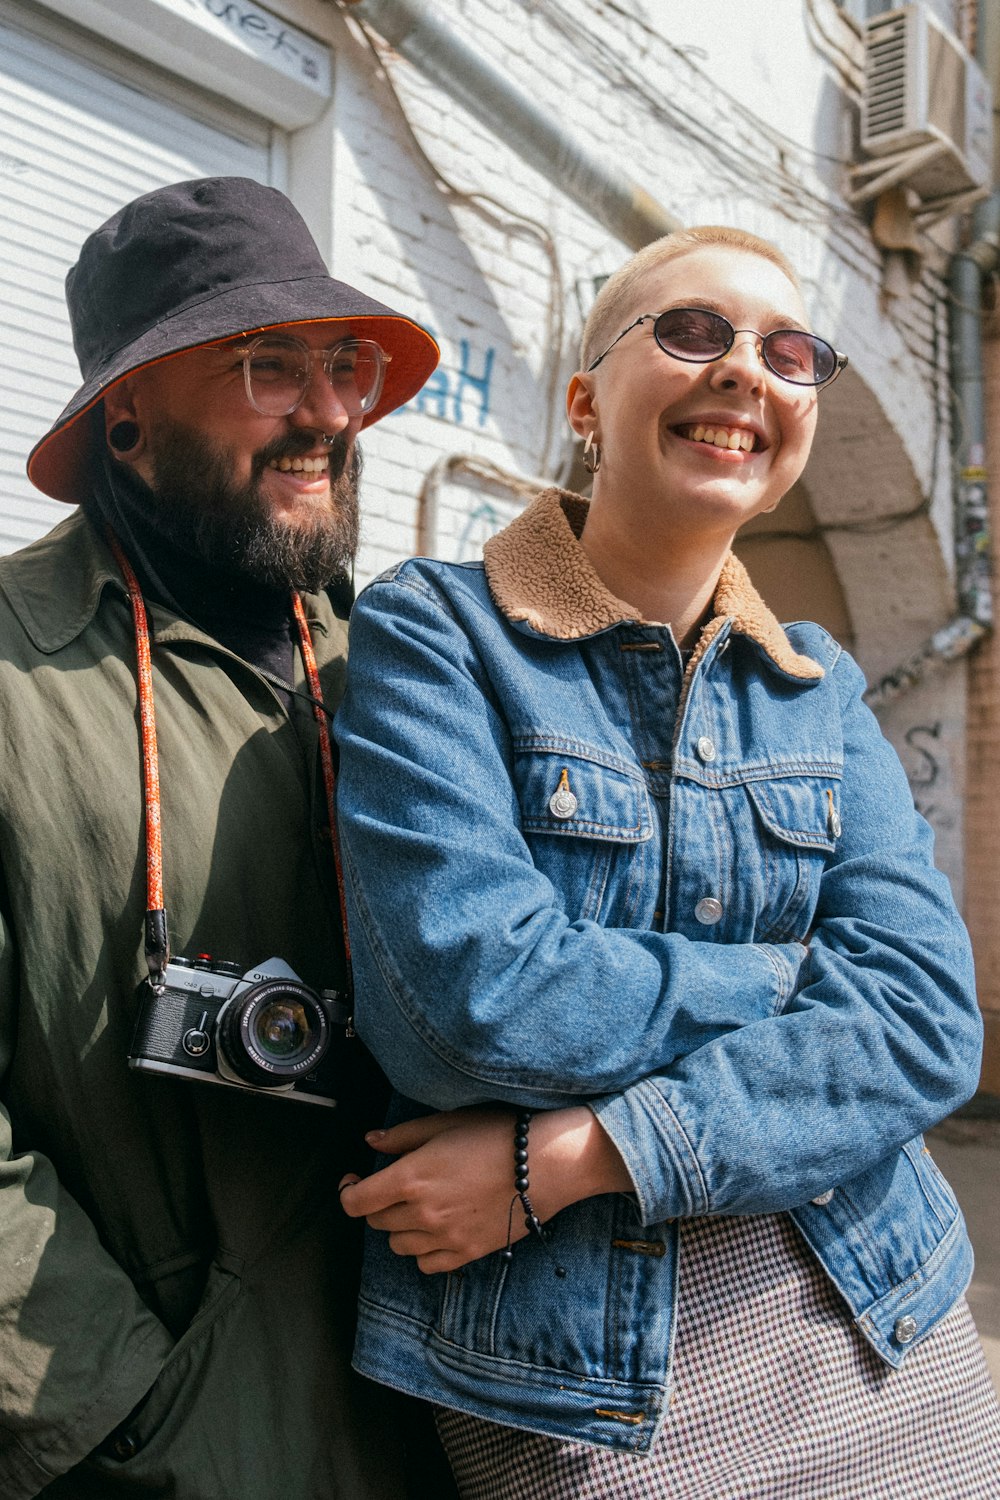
x: 705, y: 748
x: 905, y: 1330
x: 708, y: 911
x: 563, y: 802
x: 822, y: 1199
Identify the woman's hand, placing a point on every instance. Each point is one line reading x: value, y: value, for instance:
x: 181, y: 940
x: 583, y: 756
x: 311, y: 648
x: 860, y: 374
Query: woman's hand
x: 447, y: 1199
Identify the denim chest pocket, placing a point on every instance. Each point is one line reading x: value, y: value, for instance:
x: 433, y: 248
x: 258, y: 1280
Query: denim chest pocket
x: 589, y: 825
x: 797, y: 825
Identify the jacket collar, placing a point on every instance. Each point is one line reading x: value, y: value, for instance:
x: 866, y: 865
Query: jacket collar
x: 540, y: 576
x: 55, y: 604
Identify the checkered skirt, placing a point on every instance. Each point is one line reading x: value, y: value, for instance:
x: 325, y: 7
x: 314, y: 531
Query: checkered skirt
x: 776, y: 1397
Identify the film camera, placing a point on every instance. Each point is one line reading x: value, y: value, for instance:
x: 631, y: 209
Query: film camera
x: 263, y: 1029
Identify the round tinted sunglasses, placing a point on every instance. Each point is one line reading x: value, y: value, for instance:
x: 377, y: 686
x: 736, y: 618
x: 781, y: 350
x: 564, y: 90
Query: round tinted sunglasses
x: 698, y: 336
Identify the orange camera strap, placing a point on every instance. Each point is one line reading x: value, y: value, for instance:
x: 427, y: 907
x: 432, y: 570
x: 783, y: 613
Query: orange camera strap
x: 156, y: 935
x: 326, y: 762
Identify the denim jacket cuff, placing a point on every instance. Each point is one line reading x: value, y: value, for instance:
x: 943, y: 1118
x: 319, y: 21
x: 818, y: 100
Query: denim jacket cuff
x: 659, y: 1157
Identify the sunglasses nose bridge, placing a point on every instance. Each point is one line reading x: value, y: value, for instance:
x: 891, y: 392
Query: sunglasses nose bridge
x: 753, y: 338
x: 748, y: 333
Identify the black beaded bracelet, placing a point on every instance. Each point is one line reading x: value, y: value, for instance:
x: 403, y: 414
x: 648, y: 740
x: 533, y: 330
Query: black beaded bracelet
x: 521, y: 1126
x: 532, y: 1223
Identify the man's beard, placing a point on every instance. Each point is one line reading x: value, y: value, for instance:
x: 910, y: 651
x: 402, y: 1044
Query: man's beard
x: 198, y: 507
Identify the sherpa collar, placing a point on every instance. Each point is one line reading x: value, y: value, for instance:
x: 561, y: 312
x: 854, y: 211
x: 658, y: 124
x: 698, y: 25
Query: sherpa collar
x: 539, y: 575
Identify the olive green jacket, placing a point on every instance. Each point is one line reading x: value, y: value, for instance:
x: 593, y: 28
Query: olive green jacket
x: 157, y: 1233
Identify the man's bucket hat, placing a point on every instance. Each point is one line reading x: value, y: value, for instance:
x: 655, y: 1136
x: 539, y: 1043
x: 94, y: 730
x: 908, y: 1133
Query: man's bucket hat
x: 192, y: 264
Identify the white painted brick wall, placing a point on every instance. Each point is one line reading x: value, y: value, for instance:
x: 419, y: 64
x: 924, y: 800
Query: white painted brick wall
x: 647, y: 87
x: 660, y: 117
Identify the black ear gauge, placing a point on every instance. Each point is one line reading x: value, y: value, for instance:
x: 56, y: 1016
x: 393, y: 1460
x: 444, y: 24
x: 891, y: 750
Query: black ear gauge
x: 123, y: 436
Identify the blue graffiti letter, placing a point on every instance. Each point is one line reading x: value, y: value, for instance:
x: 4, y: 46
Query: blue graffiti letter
x: 437, y: 390
x: 480, y: 383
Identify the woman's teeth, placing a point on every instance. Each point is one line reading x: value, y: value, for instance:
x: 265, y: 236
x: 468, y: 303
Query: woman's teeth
x: 301, y: 465
x: 723, y: 437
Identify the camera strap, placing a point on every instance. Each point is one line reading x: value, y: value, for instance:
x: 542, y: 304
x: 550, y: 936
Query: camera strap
x: 155, y: 933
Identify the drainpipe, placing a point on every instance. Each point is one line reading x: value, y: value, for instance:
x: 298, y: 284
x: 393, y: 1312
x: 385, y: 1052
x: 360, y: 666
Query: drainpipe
x: 969, y: 269
x: 623, y: 207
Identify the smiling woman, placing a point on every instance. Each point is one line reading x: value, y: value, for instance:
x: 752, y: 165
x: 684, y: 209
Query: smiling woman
x: 640, y: 903
x: 693, y: 443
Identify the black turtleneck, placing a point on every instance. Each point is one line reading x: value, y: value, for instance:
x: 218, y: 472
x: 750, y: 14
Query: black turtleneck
x: 253, y: 620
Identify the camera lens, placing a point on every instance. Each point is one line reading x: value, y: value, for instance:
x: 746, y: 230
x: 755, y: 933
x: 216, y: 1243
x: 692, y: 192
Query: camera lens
x: 274, y: 1033
x: 281, y: 1030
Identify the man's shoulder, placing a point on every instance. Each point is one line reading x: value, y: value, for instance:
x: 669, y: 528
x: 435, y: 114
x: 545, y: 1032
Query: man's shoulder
x: 49, y: 589
x: 61, y: 540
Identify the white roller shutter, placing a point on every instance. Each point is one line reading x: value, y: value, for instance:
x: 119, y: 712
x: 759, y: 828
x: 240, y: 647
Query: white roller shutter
x: 83, y: 129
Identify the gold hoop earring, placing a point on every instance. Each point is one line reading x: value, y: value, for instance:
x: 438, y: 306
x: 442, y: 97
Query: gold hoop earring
x: 591, y: 454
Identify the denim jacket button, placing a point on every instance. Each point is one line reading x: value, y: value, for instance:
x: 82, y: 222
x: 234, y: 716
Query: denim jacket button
x: 708, y: 911
x: 822, y: 1199
x: 562, y: 803
x: 905, y: 1330
x: 705, y: 748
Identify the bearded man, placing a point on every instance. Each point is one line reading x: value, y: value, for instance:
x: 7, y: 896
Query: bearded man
x: 181, y: 1091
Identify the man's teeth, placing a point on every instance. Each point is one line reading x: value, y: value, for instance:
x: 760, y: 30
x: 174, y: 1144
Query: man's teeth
x: 301, y: 465
x: 723, y: 437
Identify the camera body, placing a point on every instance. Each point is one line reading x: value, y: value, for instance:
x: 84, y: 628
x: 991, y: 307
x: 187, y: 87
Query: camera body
x: 262, y: 1030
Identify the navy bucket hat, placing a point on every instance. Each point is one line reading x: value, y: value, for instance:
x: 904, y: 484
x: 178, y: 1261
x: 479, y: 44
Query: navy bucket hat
x: 191, y: 264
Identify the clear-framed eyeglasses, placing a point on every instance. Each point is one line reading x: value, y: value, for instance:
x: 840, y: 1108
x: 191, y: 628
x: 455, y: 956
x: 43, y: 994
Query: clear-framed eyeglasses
x: 698, y: 336
x: 277, y: 369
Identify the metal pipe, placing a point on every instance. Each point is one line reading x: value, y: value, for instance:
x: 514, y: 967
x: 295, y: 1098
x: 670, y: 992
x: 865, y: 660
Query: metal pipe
x: 446, y: 469
x: 969, y: 268
x: 973, y: 579
x: 972, y: 538
x: 623, y: 207
x: 974, y: 587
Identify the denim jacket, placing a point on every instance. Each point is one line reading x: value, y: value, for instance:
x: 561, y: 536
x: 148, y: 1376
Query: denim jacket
x: 697, y: 898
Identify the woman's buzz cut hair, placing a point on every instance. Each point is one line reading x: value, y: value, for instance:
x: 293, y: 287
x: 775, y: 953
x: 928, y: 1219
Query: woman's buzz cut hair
x: 615, y: 300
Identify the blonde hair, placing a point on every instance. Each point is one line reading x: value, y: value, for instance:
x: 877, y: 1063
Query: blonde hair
x: 614, y: 304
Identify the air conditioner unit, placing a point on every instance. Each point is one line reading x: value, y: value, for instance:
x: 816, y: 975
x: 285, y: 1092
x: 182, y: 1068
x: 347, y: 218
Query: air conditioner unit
x: 926, y: 101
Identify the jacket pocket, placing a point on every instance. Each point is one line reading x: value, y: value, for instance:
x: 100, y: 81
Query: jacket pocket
x: 798, y: 824
x: 589, y: 823
x: 585, y: 1302
x: 143, y: 1439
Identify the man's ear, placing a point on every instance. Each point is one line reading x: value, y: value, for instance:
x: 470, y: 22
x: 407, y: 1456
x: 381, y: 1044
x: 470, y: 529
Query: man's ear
x: 581, y: 408
x: 122, y: 429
